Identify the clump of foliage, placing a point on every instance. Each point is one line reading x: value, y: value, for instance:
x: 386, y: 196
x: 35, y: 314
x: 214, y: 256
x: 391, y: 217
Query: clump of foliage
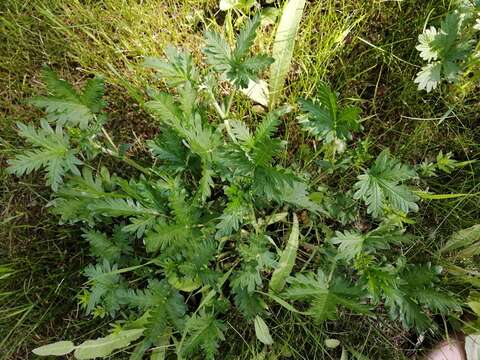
x: 452, y: 50
x: 197, y: 232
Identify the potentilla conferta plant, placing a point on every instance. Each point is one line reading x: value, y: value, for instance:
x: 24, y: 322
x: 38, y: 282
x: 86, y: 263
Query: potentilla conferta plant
x: 452, y: 50
x: 211, y: 224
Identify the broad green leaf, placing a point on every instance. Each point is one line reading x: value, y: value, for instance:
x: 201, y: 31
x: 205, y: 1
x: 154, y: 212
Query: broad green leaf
x: 475, y: 306
x: 472, y: 347
x: 283, y: 47
x: 184, y: 283
x: 262, y: 331
x: 257, y: 91
x: 332, y: 343
x: 236, y: 4
x: 467, y: 241
x: 103, y: 347
x: 287, y: 259
x: 56, y: 349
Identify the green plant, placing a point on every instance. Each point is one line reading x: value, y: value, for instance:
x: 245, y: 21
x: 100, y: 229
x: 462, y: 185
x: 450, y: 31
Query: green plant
x: 183, y: 238
x: 451, y: 51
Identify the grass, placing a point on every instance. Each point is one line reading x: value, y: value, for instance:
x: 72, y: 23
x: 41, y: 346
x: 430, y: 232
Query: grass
x: 366, y: 50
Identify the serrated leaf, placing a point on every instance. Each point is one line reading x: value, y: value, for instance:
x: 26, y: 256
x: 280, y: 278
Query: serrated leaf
x: 382, y: 186
x: 177, y: 69
x: 324, y: 118
x: 350, y: 244
x: 51, y: 151
x: 55, y: 349
x: 429, y: 77
x: 65, y: 106
x: 262, y: 331
x: 204, y: 332
x: 246, y: 37
x: 427, y: 52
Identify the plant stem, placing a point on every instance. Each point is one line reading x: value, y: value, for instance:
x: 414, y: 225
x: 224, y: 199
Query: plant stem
x: 126, y: 160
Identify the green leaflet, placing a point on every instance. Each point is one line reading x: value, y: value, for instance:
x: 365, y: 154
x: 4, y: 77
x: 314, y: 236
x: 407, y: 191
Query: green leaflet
x: 283, y: 47
x: 352, y: 244
x: 287, y: 259
x: 177, y: 69
x: 324, y: 295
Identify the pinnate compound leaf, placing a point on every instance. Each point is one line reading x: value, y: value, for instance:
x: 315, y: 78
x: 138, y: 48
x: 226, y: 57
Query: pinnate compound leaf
x: 324, y: 118
x: 66, y: 106
x: 51, y: 151
x: 236, y: 65
x: 382, y: 186
x: 177, y: 69
x: 204, y: 332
